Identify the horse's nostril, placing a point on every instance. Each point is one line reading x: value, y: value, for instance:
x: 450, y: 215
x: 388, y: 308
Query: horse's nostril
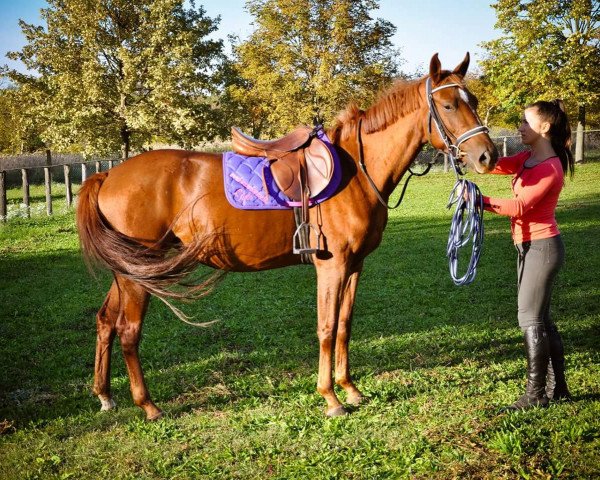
x: 485, y: 158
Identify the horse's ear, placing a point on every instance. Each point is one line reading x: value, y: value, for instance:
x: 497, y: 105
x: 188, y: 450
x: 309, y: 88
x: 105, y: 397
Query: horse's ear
x: 461, y: 70
x: 435, y: 69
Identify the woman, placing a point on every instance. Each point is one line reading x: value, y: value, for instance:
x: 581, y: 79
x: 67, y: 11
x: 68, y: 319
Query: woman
x: 538, y: 178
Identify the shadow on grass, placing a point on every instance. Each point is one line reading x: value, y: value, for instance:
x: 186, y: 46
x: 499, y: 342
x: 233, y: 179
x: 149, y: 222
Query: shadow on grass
x: 408, y: 315
x: 39, y: 198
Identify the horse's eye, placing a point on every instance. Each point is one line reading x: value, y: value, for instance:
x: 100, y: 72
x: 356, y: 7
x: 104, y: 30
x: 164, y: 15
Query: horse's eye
x: 448, y: 107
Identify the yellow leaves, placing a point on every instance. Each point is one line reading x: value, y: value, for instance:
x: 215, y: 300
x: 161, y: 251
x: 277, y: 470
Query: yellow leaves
x: 142, y: 64
x: 547, y: 51
x: 313, y: 57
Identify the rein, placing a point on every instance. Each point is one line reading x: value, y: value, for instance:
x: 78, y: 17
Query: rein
x: 466, y: 226
x: 467, y: 221
x: 363, y: 167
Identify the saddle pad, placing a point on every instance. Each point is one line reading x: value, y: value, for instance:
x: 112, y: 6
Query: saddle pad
x: 245, y: 189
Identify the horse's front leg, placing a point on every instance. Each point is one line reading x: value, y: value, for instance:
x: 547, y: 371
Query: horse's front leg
x: 329, y: 284
x: 342, y: 365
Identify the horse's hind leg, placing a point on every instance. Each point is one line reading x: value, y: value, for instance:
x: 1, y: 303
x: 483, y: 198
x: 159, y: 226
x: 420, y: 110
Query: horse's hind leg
x: 134, y: 303
x: 106, y: 321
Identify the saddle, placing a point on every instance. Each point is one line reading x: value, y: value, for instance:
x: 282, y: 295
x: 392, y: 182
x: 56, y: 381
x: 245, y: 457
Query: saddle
x: 298, y: 154
x: 301, y: 166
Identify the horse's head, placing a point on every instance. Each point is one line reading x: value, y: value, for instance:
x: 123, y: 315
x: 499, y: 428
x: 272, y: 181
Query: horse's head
x: 453, y: 123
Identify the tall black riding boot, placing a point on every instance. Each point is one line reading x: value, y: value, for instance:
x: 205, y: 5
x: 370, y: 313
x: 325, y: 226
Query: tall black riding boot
x: 537, y: 349
x: 556, y: 384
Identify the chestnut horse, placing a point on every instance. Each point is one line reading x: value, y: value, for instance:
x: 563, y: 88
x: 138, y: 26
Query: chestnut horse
x: 155, y: 217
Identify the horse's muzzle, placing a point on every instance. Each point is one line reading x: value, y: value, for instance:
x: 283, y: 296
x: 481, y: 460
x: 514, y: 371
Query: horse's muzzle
x: 486, y: 160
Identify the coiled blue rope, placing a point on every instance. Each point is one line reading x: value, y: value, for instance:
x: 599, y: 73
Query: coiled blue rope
x: 466, y: 227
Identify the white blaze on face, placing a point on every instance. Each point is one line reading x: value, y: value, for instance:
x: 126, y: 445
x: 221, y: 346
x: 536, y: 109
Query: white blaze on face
x: 464, y: 96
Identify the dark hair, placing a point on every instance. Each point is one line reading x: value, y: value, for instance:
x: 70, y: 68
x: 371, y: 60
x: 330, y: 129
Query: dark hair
x: 560, y: 131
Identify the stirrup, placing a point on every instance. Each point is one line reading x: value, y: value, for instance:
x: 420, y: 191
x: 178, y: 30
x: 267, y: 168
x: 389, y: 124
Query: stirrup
x: 301, y: 239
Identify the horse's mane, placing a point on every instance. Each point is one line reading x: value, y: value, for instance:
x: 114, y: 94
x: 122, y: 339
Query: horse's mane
x: 397, y: 101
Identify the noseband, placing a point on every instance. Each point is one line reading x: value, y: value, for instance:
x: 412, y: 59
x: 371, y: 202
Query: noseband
x: 453, y: 149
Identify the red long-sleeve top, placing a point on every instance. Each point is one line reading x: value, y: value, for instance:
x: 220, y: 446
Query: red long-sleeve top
x: 536, y: 190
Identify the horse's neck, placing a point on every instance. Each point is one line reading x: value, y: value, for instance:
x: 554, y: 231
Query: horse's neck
x: 389, y: 153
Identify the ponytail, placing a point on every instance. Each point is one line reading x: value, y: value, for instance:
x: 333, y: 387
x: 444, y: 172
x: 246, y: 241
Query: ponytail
x: 560, y: 131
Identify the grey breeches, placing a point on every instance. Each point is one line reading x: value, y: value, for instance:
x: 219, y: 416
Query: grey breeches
x: 538, y: 263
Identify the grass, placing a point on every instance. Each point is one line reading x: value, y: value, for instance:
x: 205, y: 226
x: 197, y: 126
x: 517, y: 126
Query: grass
x: 436, y: 361
x: 37, y: 198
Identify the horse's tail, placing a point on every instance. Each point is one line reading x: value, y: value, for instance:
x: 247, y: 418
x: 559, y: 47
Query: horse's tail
x: 163, y: 270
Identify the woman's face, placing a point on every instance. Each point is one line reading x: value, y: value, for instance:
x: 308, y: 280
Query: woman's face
x: 532, y: 127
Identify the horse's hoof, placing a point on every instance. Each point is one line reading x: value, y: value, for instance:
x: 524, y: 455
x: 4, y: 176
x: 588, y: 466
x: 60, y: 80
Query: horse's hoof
x: 356, y: 400
x: 337, y: 412
x: 107, y: 404
x: 155, y: 416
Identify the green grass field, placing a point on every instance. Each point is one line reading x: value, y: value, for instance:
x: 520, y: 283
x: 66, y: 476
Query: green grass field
x: 436, y: 361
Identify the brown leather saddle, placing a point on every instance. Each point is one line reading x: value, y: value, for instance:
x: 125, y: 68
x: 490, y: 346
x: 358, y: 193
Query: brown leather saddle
x: 298, y: 154
x: 301, y: 165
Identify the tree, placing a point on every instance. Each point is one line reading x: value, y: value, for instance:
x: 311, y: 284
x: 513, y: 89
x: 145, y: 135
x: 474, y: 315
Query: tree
x: 308, y: 59
x: 549, y: 49
x: 9, y: 136
x: 19, y: 132
x: 119, y: 73
x: 487, y: 101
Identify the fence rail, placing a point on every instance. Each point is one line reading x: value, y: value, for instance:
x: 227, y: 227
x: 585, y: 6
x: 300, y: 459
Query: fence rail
x: 26, y: 170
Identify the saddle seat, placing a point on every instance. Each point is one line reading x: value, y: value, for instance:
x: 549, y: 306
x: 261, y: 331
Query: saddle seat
x: 301, y: 163
x: 252, y: 147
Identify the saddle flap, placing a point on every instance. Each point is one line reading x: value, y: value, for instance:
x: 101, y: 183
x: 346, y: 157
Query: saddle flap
x: 319, y: 170
x: 319, y: 166
x: 286, y: 173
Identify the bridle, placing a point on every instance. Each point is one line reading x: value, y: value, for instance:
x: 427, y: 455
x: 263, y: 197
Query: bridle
x: 467, y: 222
x: 452, y: 149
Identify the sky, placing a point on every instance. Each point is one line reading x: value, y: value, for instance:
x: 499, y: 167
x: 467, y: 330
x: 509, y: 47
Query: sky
x: 424, y: 27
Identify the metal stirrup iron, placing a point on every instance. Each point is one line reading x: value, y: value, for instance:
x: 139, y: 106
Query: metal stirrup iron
x: 301, y: 238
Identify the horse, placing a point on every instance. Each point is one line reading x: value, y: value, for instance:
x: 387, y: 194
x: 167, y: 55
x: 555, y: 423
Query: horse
x: 154, y: 218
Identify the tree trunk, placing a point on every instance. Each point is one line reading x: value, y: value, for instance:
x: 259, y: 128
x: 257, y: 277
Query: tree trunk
x: 579, y: 139
x: 125, y: 135
x: 125, y: 132
x: 488, y: 112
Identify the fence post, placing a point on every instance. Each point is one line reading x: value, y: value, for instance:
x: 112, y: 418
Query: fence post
x: 48, y: 182
x: 25, y: 177
x: 98, y: 166
x: 69, y: 195
x: 504, y: 147
x: 83, y: 173
x: 3, y: 196
x: 110, y: 164
x: 445, y: 163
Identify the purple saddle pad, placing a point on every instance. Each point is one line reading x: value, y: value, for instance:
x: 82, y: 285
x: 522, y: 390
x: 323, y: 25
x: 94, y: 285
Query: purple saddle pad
x: 249, y: 184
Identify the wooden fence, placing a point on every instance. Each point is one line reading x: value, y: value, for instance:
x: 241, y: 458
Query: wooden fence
x: 589, y: 143
x: 69, y: 169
